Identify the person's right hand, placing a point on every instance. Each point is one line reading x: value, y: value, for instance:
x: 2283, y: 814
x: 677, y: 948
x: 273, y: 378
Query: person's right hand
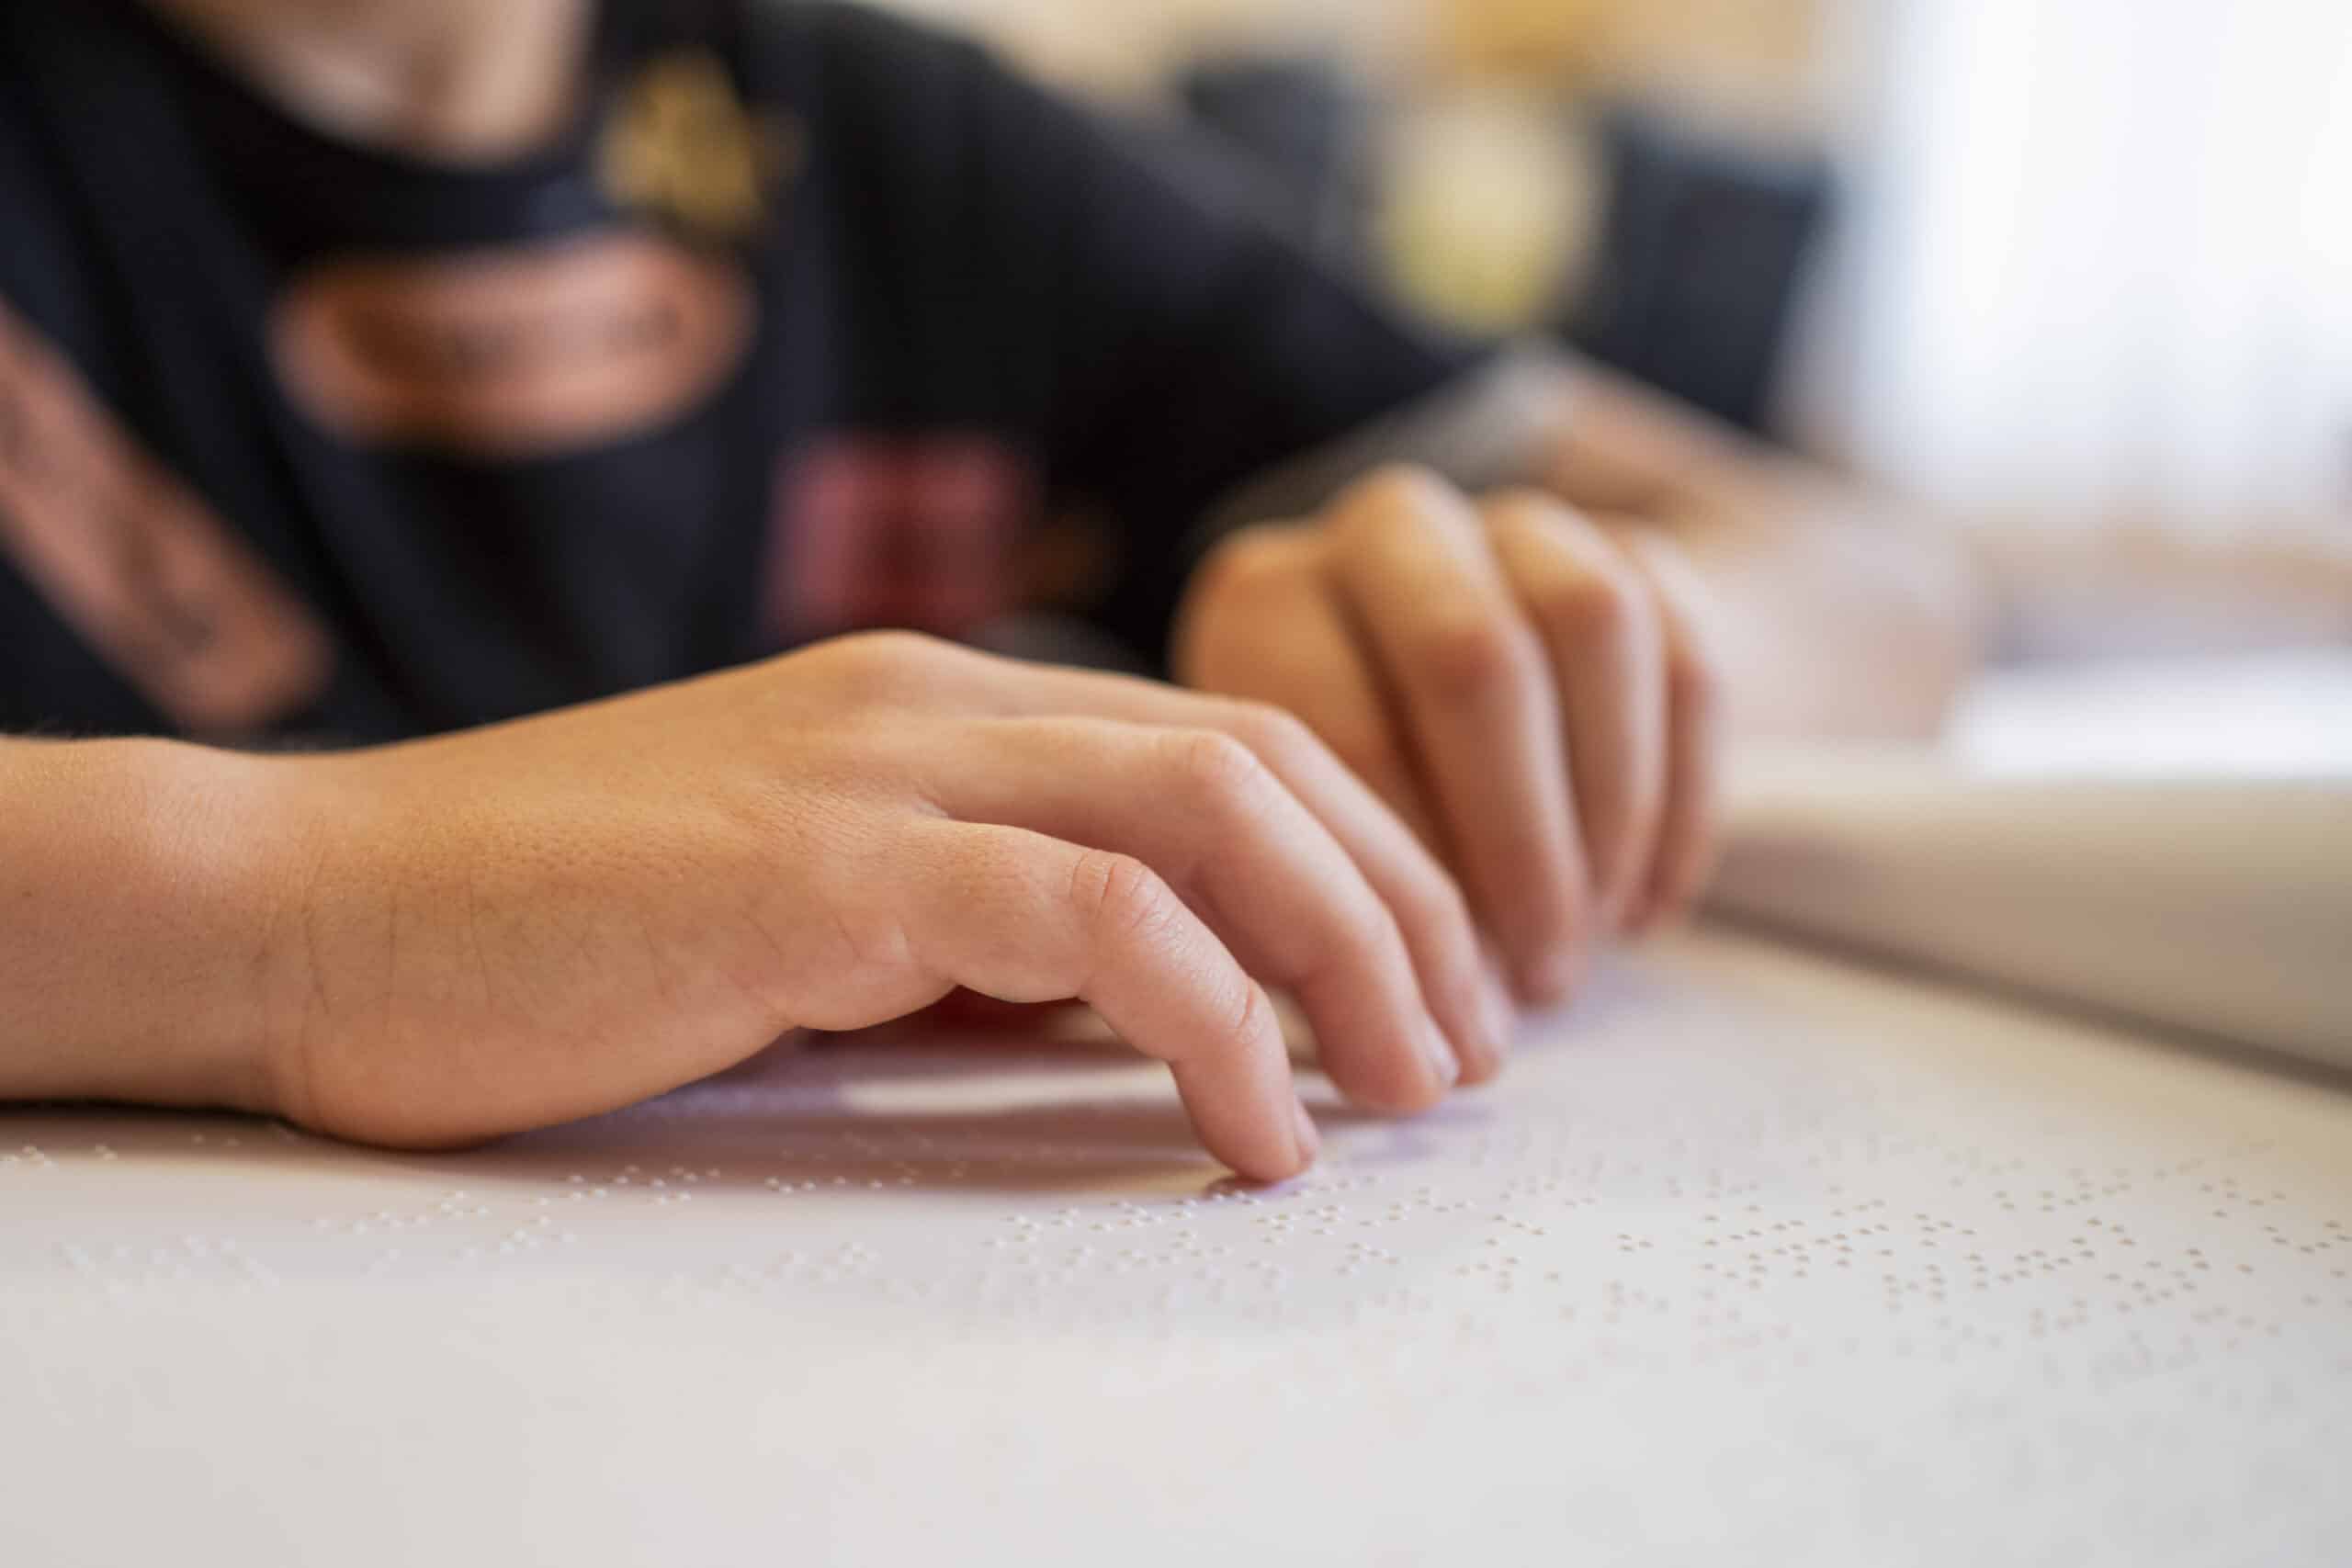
x: 559, y: 915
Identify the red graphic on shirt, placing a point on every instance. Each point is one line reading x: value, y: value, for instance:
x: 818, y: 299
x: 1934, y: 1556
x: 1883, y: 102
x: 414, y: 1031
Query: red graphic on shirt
x: 136, y: 562
x: 515, y: 352
x: 915, y: 531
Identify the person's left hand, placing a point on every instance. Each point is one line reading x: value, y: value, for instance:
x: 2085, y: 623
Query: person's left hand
x: 1528, y: 688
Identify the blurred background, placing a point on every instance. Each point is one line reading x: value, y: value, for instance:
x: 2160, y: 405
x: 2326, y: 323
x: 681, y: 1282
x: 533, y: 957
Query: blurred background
x: 2066, y: 267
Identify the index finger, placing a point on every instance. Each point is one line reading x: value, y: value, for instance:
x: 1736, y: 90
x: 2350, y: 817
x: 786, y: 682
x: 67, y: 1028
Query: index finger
x: 1026, y: 918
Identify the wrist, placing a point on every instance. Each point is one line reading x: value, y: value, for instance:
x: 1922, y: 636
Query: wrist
x: 229, y: 832
x: 143, y: 879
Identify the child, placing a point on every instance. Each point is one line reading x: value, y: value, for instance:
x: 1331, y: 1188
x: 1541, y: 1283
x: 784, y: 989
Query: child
x: 385, y: 390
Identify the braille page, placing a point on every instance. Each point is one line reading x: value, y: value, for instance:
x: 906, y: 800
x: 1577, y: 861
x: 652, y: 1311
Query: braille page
x: 1751, y: 1259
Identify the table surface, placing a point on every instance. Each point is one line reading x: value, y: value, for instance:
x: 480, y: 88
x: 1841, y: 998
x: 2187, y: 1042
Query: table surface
x: 1753, y: 1257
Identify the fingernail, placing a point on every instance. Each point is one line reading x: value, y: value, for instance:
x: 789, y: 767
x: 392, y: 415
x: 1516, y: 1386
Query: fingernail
x: 1443, y: 1062
x: 1498, y: 1014
x: 1310, y: 1142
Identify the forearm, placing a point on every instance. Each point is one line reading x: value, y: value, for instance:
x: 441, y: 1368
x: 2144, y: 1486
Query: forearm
x: 1833, y: 615
x: 1833, y: 611
x: 136, y: 906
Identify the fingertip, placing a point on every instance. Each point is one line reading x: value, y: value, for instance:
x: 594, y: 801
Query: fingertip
x: 1294, y: 1158
x: 1302, y: 1148
x: 1550, y: 932
x: 1489, y: 1038
x: 1548, y: 978
x: 1498, y: 1010
x: 1444, y: 1063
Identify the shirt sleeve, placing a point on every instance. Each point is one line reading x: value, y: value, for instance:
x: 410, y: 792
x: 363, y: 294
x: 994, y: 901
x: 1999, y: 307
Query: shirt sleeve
x: 1161, y: 340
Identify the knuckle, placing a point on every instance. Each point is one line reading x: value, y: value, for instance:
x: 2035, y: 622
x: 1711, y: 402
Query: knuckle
x: 1399, y: 493
x: 1210, y: 764
x: 1273, y: 732
x: 1253, y: 1014
x: 896, y: 648
x: 885, y: 663
x: 1519, y: 506
x: 1474, y: 656
x: 1600, y: 603
x: 1253, y: 560
x: 1118, y: 897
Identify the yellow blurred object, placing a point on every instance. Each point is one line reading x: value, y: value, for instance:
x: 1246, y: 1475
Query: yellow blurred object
x: 1489, y: 209
x: 681, y: 145
x: 1758, y: 59
x: 1550, y: 40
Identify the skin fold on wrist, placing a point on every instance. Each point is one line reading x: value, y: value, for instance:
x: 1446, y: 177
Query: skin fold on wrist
x: 142, y: 883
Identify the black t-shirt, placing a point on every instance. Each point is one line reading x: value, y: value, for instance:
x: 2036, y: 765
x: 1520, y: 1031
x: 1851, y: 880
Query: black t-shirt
x: 812, y: 321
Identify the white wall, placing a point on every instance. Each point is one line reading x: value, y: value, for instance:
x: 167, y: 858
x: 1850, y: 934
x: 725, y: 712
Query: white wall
x: 2101, y: 260
x: 2105, y: 261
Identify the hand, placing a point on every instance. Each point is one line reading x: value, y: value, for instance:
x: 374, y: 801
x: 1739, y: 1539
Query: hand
x: 1529, y: 690
x: 556, y: 917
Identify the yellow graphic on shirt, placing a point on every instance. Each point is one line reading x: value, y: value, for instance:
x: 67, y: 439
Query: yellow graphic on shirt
x: 681, y: 145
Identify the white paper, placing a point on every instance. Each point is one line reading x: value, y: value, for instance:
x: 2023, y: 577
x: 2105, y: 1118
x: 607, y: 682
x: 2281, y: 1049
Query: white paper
x: 1751, y: 1259
x: 2223, y: 907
